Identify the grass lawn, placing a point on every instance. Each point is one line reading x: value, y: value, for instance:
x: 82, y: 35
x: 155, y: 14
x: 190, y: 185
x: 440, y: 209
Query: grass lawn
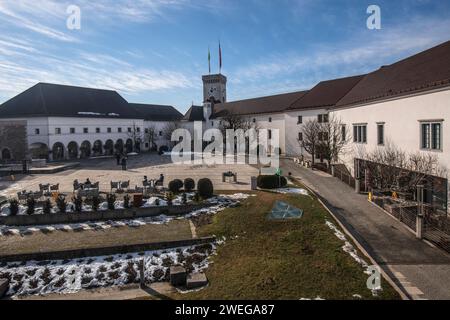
x: 281, y: 260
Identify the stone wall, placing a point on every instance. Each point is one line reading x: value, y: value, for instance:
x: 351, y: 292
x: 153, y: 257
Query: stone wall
x: 124, y: 214
x: 13, y: 140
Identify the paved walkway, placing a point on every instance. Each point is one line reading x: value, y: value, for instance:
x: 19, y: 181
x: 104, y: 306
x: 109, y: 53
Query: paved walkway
x: 423, y: 271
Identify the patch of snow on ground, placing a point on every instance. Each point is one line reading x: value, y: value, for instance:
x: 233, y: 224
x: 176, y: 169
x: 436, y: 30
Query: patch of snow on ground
x: 292, y: 191
x: 348, y: 247
x: 70, y: 276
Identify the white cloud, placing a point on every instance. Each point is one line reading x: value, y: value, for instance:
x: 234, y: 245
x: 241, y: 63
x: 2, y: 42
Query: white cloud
x: 358, y: 55
x: 84, y: 69
x: 28, y: 14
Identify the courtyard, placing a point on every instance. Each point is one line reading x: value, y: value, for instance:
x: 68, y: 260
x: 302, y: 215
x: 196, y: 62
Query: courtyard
x: 105, y: 170
x: 249, y: 255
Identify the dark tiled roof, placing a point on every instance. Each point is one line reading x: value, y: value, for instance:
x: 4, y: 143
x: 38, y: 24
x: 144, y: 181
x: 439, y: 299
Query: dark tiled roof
x: 195, y: 113
x: 152, y: 112
x: 422, y: 72
x: 55, y: 100
x: 271, y: 104
x: 326, y: 93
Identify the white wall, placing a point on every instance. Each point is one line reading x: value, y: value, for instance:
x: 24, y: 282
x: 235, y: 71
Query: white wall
x: 293, y: 147
x: 402, y: 123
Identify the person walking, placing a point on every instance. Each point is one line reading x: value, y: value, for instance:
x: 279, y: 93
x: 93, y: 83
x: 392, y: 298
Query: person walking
x: 124, y: 164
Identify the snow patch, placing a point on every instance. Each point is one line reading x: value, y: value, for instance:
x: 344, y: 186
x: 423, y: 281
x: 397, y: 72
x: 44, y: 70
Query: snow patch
x: 292, y: 191
x: 70, y: 276
x: 348, y: 247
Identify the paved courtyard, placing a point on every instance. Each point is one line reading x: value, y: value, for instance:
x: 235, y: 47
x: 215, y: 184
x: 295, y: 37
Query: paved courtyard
x: 151, y: 165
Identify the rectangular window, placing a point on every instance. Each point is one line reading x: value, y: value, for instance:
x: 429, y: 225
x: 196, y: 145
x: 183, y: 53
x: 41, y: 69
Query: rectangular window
x: 360, y: 133
x: 72, y: 130
x: 431, y: 135
x: 322, y: 118
x: 57, y: 130
x: 109, y: 130
x: 344, y: 133
x: 160, y: 133
x: 138, y: 129
x: 436, y: 136
x: 129, y: 130
x: 97, y: 130
x: 270, y: 119
x: 146, y: 130
x: 86, y: 130
x: 270, y: 134
x: 37, y: 131
x: 119, y: 130
x: 380, y: 134
x: 300, y: 136
x: 300, y: 120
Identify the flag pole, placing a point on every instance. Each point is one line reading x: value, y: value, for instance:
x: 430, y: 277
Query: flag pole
x: 220, y: 58
x: 209, y: 60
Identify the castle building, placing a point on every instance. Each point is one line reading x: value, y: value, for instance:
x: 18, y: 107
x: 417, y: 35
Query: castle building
x: 406, y: 104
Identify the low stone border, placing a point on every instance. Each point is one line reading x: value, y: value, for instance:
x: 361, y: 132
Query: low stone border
x: 107, y: 251
x: 121, y: 214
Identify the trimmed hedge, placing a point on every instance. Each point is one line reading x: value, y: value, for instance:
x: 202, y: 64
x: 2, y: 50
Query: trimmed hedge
x: 189, y: 184
x: 271, y: 182
x: 175, y: 185
x: 205, y: 188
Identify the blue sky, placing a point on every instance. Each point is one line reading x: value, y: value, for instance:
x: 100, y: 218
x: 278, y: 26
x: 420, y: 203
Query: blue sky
x: 155, y: 51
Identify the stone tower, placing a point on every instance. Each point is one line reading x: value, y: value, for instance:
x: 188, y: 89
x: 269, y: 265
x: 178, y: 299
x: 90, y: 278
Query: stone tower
x: 215, y: 88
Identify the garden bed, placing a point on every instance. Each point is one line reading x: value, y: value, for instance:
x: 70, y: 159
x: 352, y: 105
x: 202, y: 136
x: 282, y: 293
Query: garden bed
x: 70, y: 276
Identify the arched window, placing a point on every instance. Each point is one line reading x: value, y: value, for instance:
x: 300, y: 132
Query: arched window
x: 6, y: 154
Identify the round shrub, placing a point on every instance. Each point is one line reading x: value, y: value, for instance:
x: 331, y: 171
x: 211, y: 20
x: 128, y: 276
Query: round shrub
x: 175, y: 185
x: 271, y: 182
x: 189, y: 184
x: 205, y: 188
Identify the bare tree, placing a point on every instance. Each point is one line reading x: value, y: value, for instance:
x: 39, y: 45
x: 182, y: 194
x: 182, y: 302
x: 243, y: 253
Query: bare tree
x: 333, y: 138
x: 235, y: 122
x: 136, y: 135
x: 310, y: 138
x: 391, y: 168
x: 168, y: 129
x: 231, y: 121
x: 150, y: 135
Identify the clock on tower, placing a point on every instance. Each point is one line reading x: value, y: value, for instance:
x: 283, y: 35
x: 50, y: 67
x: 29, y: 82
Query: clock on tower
x: 215, y: 88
